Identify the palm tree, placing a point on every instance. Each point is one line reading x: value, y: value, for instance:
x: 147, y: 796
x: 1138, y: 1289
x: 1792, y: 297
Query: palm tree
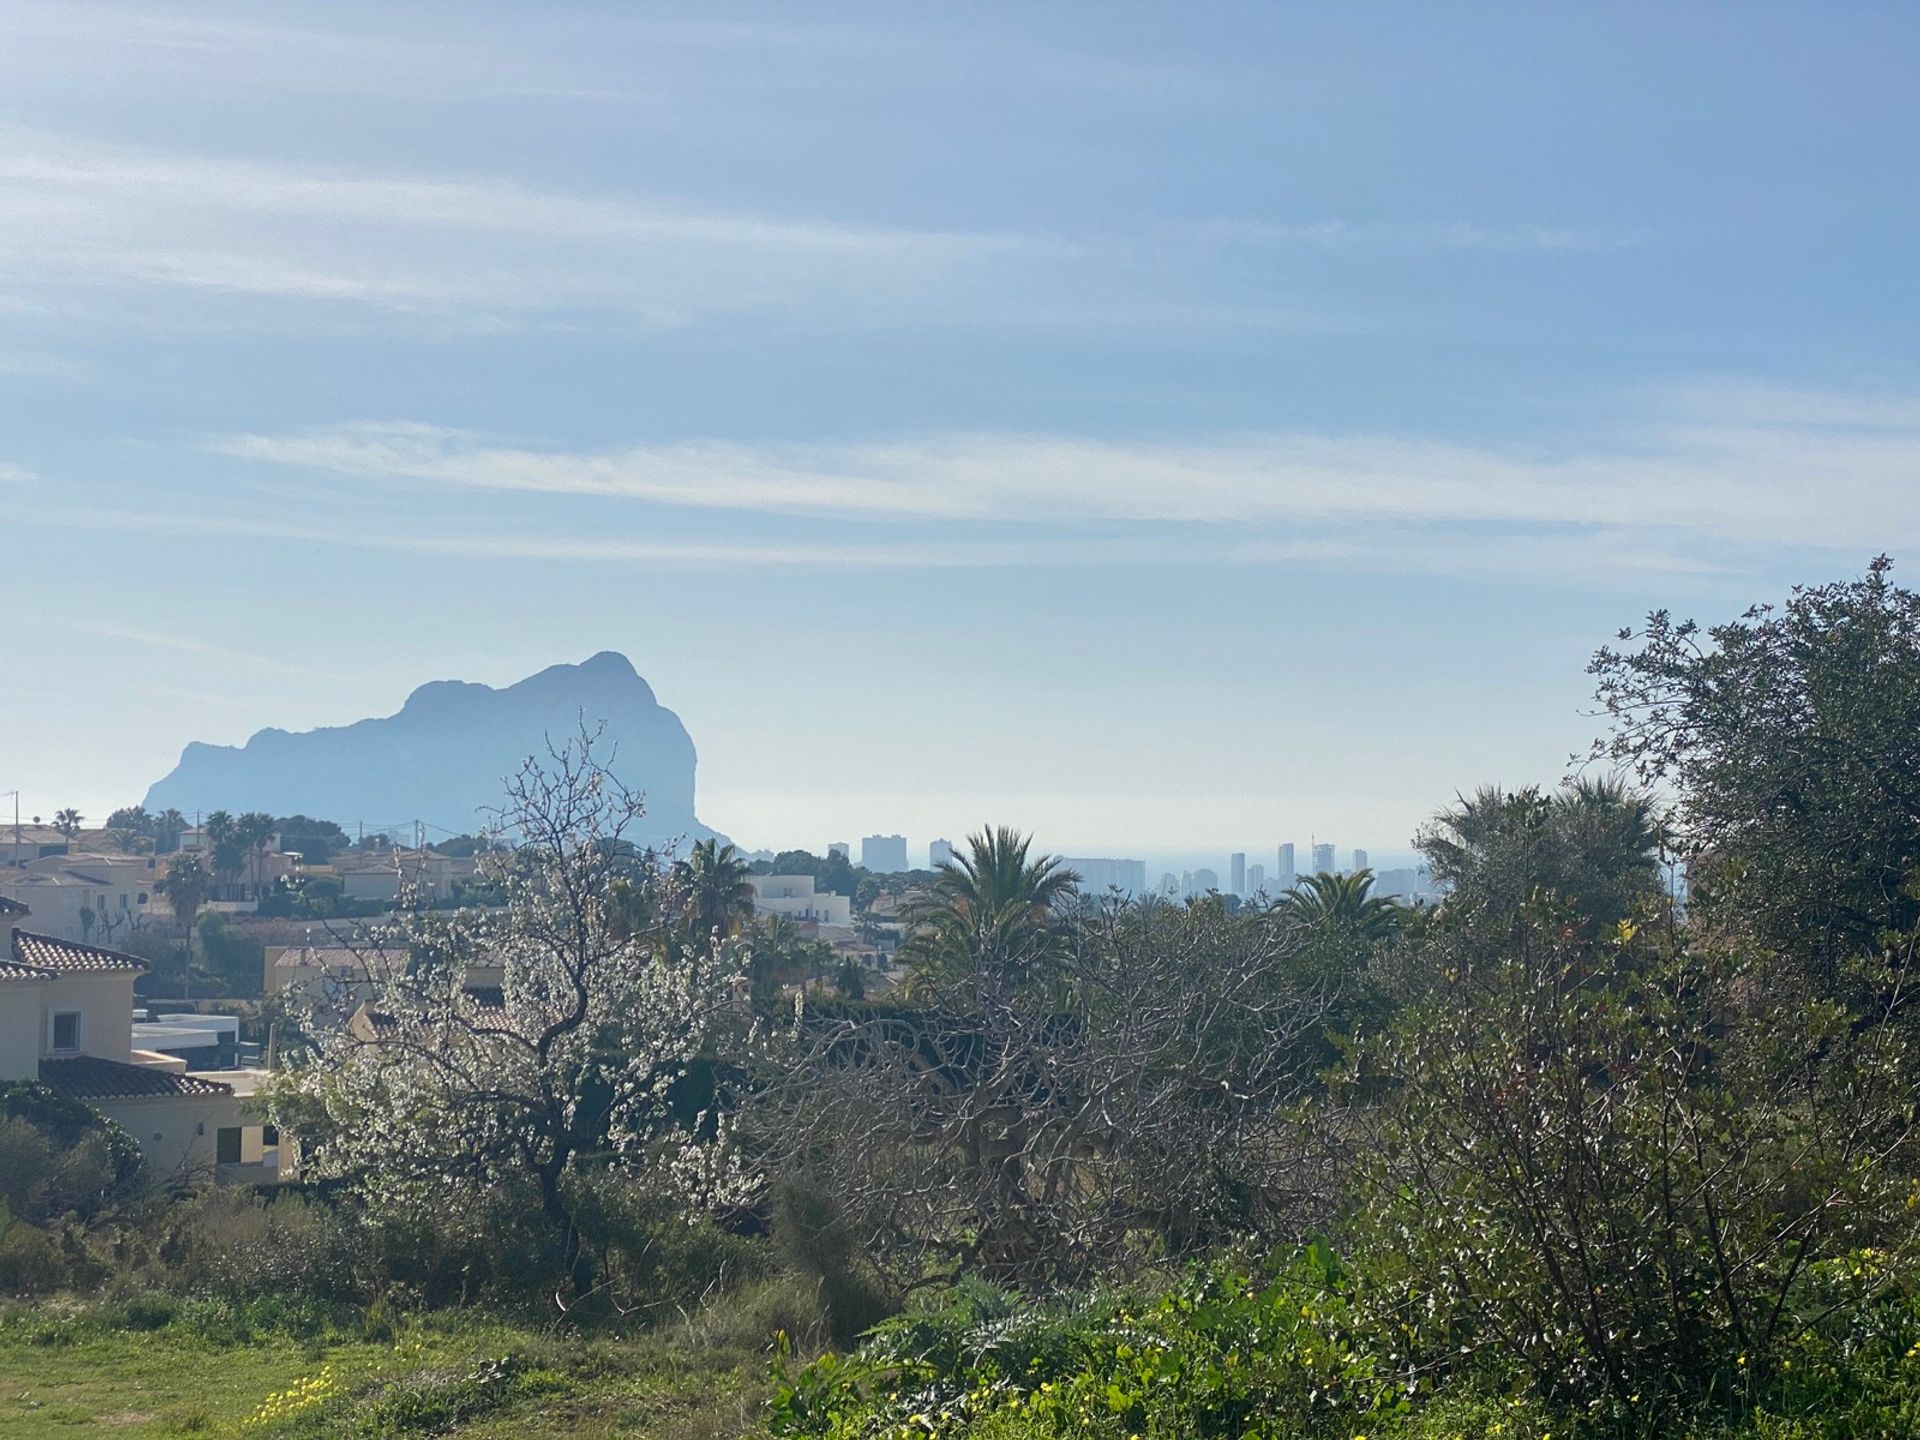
x: 1593, y: 844
x: 187, y: 884
x: 67, y: 822
x: 167, y: 826
x: 1344, y: 905
x: 718, y: 897
x: 993, y: 915
x: 255, y: 830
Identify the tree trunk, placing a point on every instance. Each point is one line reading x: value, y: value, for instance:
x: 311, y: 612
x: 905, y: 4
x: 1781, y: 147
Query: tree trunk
x: 573, y: 1255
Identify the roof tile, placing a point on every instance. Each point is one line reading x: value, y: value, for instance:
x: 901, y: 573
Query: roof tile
x: 69, y: 956
x: 88, y: 1077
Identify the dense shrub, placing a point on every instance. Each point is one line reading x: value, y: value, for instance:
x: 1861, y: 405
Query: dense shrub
x: 58, y: 1156
x: 1628, y: 1173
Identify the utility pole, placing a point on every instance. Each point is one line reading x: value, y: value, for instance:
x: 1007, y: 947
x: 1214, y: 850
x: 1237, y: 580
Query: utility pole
x: 16, y: 825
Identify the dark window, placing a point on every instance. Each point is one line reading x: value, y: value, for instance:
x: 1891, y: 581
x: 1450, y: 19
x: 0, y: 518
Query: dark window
x: 66, y: 1030
x: 226, y: 1145
x: 269, y: 1135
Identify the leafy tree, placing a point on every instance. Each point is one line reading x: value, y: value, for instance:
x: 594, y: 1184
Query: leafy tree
x: 1024, y: 1121
x: 1790, y: 736
x: 232, y: 956
x: 838, y: 875
x: 317, y: 841
x: 713, y: 879
x: 130, y: 820
x: 440, y: 1097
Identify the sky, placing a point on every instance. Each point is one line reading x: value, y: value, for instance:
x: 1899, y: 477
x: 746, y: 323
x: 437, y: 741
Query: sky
x: 1170, y: 429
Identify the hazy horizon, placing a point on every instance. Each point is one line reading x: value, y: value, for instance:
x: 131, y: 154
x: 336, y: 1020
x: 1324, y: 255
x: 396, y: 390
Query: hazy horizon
x: 1141, y: 425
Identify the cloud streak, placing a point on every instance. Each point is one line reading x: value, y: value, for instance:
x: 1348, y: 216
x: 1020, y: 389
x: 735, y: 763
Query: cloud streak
x: 1728, y: 466
x: 82, y: 215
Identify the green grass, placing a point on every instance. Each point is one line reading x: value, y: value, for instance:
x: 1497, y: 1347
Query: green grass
x: 91, y: 1372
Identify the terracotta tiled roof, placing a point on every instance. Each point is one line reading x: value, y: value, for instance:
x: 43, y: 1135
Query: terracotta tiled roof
x: 11, y: 971
x: 69, y: 956
x: 90, y: 1078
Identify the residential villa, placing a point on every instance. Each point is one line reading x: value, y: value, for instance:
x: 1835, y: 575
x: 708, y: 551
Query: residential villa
x: 115, y: 892
x: 795, y: 897
x: 66, y: 1020
x: 384, y: 874
x: 336, y: 975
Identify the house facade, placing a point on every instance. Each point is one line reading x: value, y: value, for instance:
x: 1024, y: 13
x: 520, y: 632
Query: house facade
x: 66, y: 1020
x: 86, y: 897
x: 795, y: 897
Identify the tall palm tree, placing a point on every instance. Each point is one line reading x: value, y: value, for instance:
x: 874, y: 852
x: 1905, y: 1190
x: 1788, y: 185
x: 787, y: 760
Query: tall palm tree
x: 255, y: 830
x: 67, y: 822
x: 187, y: 884
x: 993, y: 914
x: 718, y: 897
x: 1344, y: 905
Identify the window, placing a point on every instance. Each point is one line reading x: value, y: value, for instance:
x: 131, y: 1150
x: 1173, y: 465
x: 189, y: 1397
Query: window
x: 66, y: 1030
x: 226, y: 1145
x: 143, y: 897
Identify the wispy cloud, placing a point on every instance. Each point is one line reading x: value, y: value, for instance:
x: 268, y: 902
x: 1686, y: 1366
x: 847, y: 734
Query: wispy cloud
x: 11, y: 474
x: 1725, y: 467
x: 1424, y: 235
x: 91, y: 215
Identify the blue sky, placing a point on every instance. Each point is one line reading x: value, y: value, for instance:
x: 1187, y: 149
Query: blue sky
x: 1169, y: 428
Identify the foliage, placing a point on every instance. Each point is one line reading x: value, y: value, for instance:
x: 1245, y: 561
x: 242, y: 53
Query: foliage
x: 1622, y: 1169
x: 993, y: 920
x: 438, y: 1093
x: 1226, y: 1353
x: 1593, y: 846
x: 1344, y: 909
x: 230, y: 954
x: 59, y: 1156
x: 712, y: 881
x: 1021, y: 1121
x: 1790, y: 737
x: 316, y: 841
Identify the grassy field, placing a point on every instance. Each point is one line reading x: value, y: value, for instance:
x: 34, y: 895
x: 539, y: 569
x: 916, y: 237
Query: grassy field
x: 190, y: 1373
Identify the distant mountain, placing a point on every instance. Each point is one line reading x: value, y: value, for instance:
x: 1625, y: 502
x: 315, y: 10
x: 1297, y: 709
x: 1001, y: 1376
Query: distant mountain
x: 445, y: 756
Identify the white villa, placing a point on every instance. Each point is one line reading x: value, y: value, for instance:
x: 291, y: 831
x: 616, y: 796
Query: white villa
x: 795, y: 897
x: 66, y: 1020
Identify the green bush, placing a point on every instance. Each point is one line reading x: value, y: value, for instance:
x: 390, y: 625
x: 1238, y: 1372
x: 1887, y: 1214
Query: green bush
x: 31, y: 1260
x: 1228, y: 1353
x: 1620, y: 1173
